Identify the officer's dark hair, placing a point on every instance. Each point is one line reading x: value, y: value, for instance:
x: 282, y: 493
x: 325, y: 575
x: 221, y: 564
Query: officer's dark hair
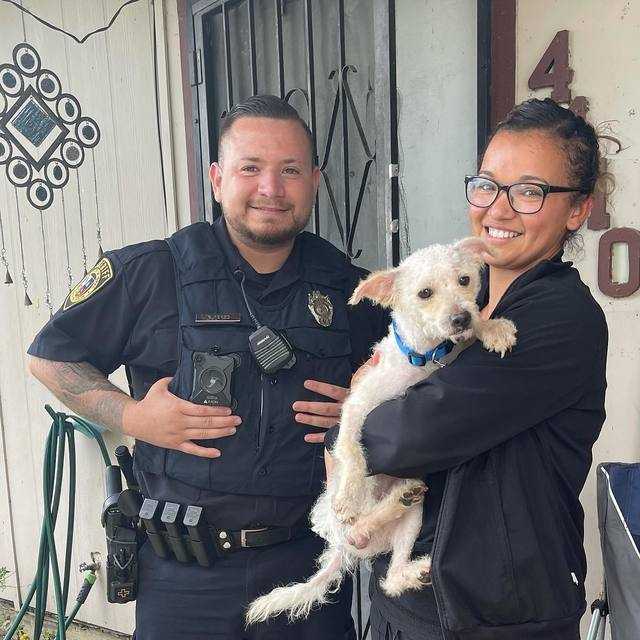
x: 264, y: 106
x: 576, y: 137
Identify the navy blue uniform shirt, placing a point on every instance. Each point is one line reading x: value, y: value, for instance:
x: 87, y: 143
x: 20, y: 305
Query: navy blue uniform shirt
x: 133, y: 321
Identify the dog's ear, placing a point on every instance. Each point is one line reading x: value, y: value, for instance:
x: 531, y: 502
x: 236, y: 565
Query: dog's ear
x: 475, y: 247
x: 378, y: 287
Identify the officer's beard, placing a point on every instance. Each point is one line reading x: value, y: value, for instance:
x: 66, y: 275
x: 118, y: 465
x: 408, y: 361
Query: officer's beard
x: 280, y: 235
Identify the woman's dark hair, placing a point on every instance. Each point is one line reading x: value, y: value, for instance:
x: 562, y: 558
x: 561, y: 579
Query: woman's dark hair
x: 576, y: 136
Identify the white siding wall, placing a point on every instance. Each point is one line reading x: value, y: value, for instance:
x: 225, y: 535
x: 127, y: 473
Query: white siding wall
x: 111, y: 74
x: 603, y: 39
x: 436, y: 69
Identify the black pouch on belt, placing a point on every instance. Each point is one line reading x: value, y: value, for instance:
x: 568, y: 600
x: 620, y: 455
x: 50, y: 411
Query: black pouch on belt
x: 122, y: 540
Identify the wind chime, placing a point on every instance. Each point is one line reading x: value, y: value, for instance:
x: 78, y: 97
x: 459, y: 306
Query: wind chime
x: 44, y: 139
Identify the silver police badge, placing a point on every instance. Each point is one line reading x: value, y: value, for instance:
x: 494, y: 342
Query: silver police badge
x: 321, y: 308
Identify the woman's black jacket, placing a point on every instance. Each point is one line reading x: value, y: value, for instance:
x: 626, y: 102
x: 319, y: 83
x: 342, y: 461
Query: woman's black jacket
x: 515, y: 436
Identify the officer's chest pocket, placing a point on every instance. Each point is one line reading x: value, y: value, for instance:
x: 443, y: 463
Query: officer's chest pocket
x: 161, y: 352
x: 322, y: 354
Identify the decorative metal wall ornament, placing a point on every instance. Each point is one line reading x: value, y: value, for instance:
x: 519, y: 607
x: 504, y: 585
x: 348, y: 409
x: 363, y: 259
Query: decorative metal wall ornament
x: 43, y: 133
x: 95, y: 191
x: 66, y: 244
x: 3, y: 255
x: 47, y: 294
x: 25, y: 282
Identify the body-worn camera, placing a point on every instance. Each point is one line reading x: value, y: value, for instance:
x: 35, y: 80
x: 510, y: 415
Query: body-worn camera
x: 212, y: 379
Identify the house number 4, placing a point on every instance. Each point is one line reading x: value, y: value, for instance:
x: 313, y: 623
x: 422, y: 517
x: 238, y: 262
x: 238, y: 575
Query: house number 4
x: 553, y: 71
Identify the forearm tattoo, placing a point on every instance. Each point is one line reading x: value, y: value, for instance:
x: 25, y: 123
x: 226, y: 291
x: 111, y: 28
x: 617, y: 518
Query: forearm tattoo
x: 85, y: 390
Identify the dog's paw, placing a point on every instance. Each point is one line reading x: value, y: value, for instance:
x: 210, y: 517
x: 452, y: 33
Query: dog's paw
x: 423, y: 568
x: 347, y: 502
x: 410, y: 577
x: 346, y: 510
x: 499, y: 335
x: 413, y: 493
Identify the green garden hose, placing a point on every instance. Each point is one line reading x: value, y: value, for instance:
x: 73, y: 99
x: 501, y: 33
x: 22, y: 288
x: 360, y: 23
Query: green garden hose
x: 61, y: 435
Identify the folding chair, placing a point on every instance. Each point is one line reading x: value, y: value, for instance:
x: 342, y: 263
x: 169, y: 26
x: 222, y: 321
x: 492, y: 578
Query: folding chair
x: 619, y: 523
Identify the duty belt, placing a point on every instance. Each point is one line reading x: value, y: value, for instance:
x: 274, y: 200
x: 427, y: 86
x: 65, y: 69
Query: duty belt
x: 182, y: 531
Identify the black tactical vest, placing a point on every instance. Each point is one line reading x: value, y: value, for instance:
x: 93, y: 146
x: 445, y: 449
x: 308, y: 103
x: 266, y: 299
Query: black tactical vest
x: 268, y: 454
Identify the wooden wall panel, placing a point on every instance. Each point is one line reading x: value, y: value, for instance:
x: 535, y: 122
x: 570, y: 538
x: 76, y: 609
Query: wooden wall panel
x: 112, y: 76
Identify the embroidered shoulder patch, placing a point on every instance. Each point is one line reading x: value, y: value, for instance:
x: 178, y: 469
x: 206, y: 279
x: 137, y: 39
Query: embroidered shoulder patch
x: 92, y: 282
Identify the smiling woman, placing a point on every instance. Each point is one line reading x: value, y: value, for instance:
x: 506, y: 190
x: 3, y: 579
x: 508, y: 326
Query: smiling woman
x: 546, y: 161
x: 504, y: 444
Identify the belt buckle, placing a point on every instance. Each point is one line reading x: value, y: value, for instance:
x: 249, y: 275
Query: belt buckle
x: 243, y: 535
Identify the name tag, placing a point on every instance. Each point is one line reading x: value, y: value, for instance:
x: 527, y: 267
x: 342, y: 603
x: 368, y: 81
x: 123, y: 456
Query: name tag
x: 217, y: 318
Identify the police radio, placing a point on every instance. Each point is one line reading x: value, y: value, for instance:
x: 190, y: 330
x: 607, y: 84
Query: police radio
x: 270, y: 349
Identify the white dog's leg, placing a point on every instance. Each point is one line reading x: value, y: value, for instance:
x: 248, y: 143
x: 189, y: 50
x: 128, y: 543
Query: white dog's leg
x: 497, y: 335
x: 350, y: 494
x: 403, y: 573
x: 402, y: 495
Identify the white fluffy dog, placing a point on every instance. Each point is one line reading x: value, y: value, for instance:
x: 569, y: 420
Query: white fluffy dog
x: 432, y: 296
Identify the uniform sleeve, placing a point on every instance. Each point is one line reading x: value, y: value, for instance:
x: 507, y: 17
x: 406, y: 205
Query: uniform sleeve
x: 95, y: 330
x: 482, y: 400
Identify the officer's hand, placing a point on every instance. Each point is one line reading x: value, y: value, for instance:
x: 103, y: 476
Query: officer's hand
x: 320, y: 414
x: 165, y: 420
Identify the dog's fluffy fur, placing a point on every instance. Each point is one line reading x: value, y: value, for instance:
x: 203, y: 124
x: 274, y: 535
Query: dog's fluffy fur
x: 432, y: 298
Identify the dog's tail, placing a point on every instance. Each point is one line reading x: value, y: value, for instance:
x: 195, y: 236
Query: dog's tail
x: 298, y: 599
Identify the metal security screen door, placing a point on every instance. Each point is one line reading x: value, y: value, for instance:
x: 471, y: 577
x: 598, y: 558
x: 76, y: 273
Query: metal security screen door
x: 334, y: 60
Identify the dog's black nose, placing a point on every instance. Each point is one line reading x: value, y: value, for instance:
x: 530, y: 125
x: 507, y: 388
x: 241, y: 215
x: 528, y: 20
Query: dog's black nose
x: 461, y: 321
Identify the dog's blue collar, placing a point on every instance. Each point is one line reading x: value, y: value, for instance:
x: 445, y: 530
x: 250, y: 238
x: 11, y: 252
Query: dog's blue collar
x: 421, y: 359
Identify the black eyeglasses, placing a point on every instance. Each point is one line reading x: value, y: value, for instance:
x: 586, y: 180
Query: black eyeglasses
x: 524, y: 197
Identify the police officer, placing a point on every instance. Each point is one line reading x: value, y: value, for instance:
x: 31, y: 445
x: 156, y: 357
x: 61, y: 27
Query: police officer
x: 180, y: 313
